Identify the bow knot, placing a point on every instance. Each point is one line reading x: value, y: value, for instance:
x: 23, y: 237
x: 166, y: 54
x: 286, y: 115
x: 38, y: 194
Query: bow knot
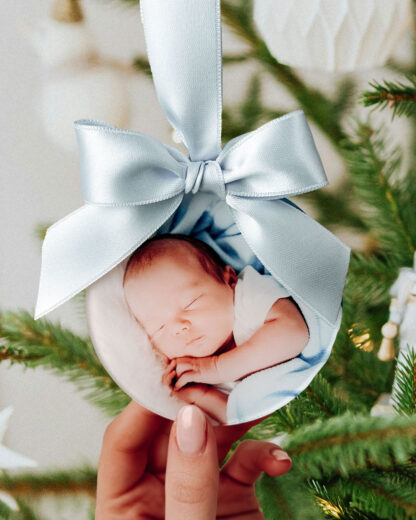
x: 205, y: 176
x: 133, y: 184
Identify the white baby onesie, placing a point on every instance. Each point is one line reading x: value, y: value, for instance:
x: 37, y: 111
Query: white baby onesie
x: 254, y: 294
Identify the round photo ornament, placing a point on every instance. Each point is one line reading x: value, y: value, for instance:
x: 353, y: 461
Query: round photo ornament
x: 204, y: 283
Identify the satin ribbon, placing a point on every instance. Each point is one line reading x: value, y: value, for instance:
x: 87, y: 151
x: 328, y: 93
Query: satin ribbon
x: 132, y: 183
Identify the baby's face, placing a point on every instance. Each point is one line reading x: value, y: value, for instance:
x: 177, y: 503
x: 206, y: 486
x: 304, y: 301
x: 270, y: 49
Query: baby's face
x: 184, y: 310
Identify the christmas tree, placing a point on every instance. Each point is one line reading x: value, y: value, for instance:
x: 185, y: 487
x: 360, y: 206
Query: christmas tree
x: 347, y: 463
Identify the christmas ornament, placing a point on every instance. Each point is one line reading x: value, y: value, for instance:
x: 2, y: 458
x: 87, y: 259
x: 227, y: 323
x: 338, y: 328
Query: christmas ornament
x: 77, y: 81
x: 401, y: 323
x: 332, y: 35
x: 10, y: 459
x: 217, y: 223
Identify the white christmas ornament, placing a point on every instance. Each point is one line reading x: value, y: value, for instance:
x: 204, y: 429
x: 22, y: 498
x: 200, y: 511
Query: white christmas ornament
x: 402, y: 322
x: 403, y: 312
x: 78, y: 83
x: 10, y: 459
x: 332, y: 35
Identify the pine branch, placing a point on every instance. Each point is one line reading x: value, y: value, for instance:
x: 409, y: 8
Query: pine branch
x: 251, y: 109
x: 348, y: 443
x: 346, y: 93
x: 356, y: 374
x: 400, y: 97
x: 287, y: 498
x: 404, y: 398
x: 386, y: 493
x: 371, y: 276
x: 317, y: 402
x: 371, y: 168
x: 58, y: 482
x: 34, y: 343
x: 336, y: 506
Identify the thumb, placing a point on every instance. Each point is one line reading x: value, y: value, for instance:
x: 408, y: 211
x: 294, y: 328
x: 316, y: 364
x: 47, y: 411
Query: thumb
x: 192, y: 471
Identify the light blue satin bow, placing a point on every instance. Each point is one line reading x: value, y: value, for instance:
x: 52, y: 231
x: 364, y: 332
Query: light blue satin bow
x: 132, y: 183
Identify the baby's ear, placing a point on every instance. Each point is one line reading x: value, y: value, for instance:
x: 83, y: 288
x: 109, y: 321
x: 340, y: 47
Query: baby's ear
x: 230, y: 276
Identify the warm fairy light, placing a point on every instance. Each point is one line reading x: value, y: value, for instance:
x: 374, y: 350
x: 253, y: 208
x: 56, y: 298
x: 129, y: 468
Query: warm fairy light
x: 329, y: 508
x: 362, y: 341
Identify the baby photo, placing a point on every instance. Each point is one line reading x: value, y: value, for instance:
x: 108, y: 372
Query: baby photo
x: 209, y: 325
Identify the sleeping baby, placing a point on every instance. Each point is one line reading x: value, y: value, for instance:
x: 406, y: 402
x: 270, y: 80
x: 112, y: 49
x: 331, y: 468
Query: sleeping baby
x: 210, y: 327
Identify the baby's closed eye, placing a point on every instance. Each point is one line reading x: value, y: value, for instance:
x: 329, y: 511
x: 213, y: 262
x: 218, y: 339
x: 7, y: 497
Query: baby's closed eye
x: 194, y: 301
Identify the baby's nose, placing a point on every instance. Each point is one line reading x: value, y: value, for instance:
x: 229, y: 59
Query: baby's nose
x: 182, y: 327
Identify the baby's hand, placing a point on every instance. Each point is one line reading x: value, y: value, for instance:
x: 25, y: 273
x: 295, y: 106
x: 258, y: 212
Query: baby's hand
x: 169, y: 373
x: 197, y: 370
x: 211, y: 400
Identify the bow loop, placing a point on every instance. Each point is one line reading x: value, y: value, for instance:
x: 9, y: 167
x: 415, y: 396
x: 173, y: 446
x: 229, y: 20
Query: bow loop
x: 122, y: 167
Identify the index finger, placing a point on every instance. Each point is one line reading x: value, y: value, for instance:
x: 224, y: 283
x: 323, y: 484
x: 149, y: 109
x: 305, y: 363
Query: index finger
x: 124, y: 452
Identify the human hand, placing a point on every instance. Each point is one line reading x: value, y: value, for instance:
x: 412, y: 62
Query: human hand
x: 143, y: 474
x: 197, y: 370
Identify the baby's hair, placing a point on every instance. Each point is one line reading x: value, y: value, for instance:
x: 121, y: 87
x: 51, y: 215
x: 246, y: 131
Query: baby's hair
x: 209, y: 259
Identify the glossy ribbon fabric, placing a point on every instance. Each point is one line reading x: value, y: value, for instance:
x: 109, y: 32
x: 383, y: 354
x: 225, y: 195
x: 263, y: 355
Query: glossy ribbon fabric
x: 132, y: 183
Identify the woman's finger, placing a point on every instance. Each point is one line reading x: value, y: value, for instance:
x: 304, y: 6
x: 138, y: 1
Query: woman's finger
x: 251, y: 458
x: 124, y: 451
x: 192, y: 471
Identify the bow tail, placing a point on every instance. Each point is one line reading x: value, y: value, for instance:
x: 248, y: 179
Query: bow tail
x: 306, y: 258
x: 89, y: 242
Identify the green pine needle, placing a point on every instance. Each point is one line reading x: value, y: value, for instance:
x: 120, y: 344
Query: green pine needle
x: 374, y: 169
x: 345, y: 444
x: 82, y: 480
x: 287, y: 498
x: 404, y: 398
x: 400, y: 97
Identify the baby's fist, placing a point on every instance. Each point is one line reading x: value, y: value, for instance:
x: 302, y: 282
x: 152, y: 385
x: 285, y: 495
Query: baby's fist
x: 169, y: 373
x: 197, y: 370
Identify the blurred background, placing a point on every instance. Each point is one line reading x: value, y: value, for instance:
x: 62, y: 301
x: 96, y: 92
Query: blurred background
x: 39, y: 94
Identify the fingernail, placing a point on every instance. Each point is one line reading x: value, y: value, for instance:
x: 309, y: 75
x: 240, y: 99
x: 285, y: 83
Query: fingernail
x: 191, y: 430
x: 280, y: 455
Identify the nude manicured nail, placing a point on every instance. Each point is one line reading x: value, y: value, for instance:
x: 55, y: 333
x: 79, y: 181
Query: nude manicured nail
x: 191, y: 430
x: 280, y: 455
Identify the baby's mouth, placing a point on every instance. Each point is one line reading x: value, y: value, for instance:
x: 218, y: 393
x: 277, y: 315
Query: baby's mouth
x: 194, y: 340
